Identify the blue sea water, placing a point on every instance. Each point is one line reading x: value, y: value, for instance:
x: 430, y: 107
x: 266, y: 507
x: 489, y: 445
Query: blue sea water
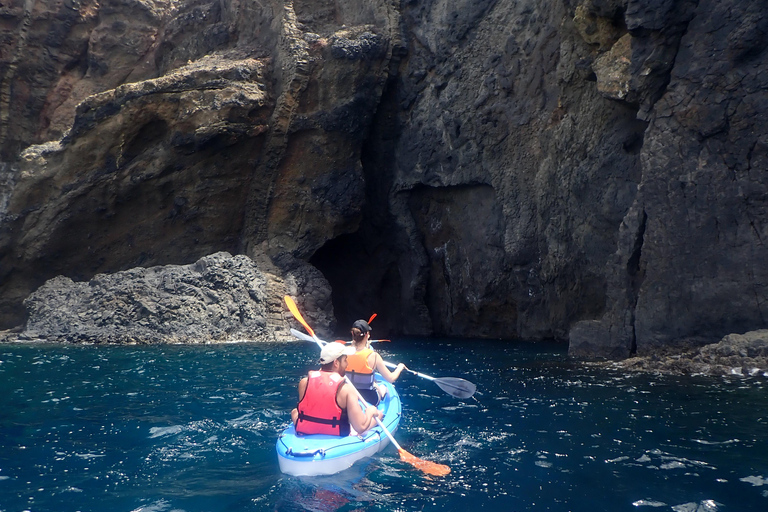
x: 193, y: 428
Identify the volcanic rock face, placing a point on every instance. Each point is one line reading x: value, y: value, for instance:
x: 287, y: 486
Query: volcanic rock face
x: 219, y: 298
x: 188, y: 128
x: 592, y: 171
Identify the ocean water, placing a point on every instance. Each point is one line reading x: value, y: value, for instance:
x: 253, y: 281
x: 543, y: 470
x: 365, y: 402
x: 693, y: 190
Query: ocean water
x: 193, y: 428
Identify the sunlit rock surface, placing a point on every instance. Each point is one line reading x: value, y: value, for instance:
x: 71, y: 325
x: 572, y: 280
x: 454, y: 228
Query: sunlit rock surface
x: 219, y: 298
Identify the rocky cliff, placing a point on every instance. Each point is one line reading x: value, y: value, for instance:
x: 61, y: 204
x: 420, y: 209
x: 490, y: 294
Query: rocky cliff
x: 591, y: 171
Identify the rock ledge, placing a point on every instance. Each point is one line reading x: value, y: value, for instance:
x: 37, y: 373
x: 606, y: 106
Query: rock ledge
x: 736, y: 354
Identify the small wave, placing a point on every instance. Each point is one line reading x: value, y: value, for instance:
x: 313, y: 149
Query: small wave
x: 157, y: 506
x: 715, y: 443
x: 164, y: 431
x: 675, y: 464
x: 757, y: 481
x: 649, y: 503
x: 703, y: 506
x: 88, y: 456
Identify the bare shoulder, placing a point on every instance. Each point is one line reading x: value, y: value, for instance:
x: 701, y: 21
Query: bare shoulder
x: 303, y: 387
x: 343, y: 393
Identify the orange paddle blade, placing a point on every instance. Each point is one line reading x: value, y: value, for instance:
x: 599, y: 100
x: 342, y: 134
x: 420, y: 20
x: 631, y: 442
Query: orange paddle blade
x: 372, y: 317
x: 297, y: 315
x: 428, y: 467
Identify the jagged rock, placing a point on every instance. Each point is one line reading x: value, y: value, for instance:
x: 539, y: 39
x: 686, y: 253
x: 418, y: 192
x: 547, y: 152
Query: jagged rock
x: 613, y: 70
x: 598, y: 27
x: 219, y: 298
x: 736, y: 354
x: 199, y: 148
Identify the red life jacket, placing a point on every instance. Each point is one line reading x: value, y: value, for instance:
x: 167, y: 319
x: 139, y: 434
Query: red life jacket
x: 318, y: 411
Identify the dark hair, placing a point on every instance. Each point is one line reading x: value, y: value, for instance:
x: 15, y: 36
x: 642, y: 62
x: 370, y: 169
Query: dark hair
x: 357, y: 334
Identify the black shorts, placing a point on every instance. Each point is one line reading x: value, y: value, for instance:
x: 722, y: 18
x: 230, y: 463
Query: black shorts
x: 370, y: 395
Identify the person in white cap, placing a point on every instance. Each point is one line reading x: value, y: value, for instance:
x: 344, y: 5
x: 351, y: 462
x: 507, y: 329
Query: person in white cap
x: 327, y: 404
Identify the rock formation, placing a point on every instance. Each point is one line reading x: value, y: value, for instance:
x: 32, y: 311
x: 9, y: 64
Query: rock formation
x: 591, y: 171
x: 219, y: 298
x: 741, y: 355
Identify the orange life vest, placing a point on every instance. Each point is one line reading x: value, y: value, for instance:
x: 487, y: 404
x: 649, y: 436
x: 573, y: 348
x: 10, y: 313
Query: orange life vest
x: 318, y: 411
x: 358, y: 370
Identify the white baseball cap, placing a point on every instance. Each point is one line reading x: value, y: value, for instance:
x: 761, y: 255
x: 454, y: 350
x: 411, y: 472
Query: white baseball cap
x: 333, y: 351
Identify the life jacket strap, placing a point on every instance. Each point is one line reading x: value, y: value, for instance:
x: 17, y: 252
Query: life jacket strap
x: 361, y: 380
x: 323, y: 421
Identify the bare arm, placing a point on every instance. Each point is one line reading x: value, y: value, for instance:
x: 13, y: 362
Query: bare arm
x: 302, y: 388
x: 360, y: 421
x: 302, y: 391
x: 384, y: 371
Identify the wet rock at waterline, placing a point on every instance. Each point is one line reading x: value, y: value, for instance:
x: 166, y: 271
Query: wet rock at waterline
x: 219, y: 298
x: 736, y: 354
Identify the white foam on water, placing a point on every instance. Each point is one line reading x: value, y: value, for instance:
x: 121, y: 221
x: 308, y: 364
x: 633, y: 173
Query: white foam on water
x: 757, y: 481
x: 157, y: 506
x: 88, y: 456
x: 702, y: 506
x: 164, y: 431
x: 715, y: 443
x: 675, y: 464
x: 649, y: 503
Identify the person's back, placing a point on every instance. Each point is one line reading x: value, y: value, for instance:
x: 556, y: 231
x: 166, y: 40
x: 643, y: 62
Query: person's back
x: 361, y: 374
x: 326, y: 404
x: 362, y: 364
x: 318, y: 410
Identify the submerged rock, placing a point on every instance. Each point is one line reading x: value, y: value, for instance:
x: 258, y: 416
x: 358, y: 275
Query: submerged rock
x: 219, y: 298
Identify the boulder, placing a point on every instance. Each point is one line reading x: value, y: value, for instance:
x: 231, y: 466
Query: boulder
x: 219, y: 298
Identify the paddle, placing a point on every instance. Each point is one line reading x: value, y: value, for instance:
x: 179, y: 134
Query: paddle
x: 302, y: 336
x: 431, y: 468
x: 428, y: 467
x: 454, y: 386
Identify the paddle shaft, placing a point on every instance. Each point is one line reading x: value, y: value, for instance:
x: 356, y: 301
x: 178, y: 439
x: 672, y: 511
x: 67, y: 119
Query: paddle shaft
x: 365, y: 405
x: 423, y: 375
x: 458, y: 388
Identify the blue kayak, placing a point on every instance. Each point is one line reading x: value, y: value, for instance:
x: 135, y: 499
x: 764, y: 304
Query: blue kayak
x: 320, y: 454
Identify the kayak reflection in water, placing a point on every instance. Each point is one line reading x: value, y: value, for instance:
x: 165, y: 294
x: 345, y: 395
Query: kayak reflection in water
x: 364, y: 361
x: 327, y: 404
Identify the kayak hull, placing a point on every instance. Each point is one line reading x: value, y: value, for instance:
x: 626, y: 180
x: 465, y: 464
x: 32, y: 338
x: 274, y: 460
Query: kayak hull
x: 312, y: 455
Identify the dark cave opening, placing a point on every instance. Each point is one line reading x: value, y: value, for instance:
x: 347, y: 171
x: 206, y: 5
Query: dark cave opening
x: 364, y: 280
x: 363, y: 267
